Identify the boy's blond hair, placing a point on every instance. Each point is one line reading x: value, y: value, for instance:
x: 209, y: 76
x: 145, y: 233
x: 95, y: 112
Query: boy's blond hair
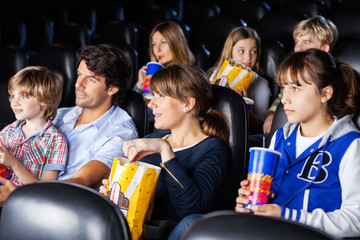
x: 43, y: 84
x: 319, y: 28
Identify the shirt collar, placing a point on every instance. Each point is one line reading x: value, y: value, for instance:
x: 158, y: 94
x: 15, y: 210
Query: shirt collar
x: 18, y: 124
x: 74, y: 113
x: 98, y: 123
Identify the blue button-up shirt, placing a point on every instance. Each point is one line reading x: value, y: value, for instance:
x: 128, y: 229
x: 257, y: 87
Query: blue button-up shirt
x: 101, y: 140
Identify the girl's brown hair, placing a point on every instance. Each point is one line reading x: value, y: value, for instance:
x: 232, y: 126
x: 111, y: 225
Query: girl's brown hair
x: 318, y: 67
x: 181, y: 81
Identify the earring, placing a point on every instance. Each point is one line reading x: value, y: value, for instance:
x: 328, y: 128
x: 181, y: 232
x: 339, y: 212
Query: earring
x: 184, y: 110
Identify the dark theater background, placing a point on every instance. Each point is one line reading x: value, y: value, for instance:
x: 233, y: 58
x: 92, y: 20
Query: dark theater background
x: 50, y: 33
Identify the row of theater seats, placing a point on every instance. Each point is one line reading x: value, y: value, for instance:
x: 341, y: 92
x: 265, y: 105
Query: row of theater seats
x: 67, y: 210
x: 62, y: 57
x: 92, y: 13
x: 205, y: 24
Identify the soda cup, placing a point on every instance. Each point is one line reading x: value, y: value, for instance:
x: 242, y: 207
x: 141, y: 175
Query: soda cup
x: 249, y: 102
x: 261, y: 172
x: 152, y: 67
x: 4, y: 172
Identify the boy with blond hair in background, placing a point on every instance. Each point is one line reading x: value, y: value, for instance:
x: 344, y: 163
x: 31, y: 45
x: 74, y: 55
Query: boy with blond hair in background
x: 316, y: 32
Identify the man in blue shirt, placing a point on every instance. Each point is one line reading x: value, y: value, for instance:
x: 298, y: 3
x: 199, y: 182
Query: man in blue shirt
x: 96, y: 127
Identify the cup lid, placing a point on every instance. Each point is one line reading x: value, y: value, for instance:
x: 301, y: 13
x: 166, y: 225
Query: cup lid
x: 248, y: 100
x: 155, y: 63
x: 265, y: 149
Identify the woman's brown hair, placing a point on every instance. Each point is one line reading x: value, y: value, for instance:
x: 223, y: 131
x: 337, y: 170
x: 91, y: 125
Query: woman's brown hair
x: 181, y: 81
x: 175, y: 37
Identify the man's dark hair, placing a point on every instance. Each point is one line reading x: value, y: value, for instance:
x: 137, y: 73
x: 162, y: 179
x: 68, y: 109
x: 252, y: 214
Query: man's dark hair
x: 109, y: 62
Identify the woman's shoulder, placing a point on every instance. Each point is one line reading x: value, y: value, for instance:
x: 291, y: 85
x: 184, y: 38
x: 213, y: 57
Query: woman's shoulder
x: 214, y: 140
x: 214, y: 144
x: 156, y: 135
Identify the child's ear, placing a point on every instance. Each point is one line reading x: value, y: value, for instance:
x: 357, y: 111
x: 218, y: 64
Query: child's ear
x: 327, y: 93
x: 325, y: 47
x: 43, y: 106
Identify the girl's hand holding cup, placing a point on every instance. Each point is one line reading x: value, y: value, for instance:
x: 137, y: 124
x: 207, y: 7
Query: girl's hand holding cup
x: 242, y: 199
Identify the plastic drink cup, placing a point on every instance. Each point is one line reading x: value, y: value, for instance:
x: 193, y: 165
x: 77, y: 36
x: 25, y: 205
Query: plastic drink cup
x: 249, y: 102
x: 261, y: 172
x: 152, y: 67
x: 4, y: 172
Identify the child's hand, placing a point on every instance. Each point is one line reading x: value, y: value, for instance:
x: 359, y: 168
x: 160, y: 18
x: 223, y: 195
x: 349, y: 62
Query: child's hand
x: 241, y: 200
x: 272, y: 210
x: 6, y: 158
x: 104, y: 189
x: 242, y: 93
x: 5, y: 190
x: 266, y: 209
x: 268, y: 122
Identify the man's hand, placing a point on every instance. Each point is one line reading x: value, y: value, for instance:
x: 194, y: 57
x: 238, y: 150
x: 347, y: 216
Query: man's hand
x: 91, y: 174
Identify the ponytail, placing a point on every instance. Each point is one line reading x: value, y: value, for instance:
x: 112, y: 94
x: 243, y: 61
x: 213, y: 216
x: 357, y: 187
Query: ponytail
x: 349, y: 96
x: 215, y: 124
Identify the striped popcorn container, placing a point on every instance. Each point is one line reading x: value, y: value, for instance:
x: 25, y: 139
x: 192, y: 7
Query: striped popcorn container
x: 234, y: 75
x: 132, y: 189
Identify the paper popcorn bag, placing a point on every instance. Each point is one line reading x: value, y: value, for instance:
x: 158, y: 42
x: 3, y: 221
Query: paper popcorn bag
x: 132, y: 189
x: 234, y: 75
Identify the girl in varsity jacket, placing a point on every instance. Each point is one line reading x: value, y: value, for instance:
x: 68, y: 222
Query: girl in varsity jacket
x: 316, y: 181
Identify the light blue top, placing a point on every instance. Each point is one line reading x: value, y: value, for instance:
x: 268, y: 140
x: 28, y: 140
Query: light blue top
x: 100, y: 140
